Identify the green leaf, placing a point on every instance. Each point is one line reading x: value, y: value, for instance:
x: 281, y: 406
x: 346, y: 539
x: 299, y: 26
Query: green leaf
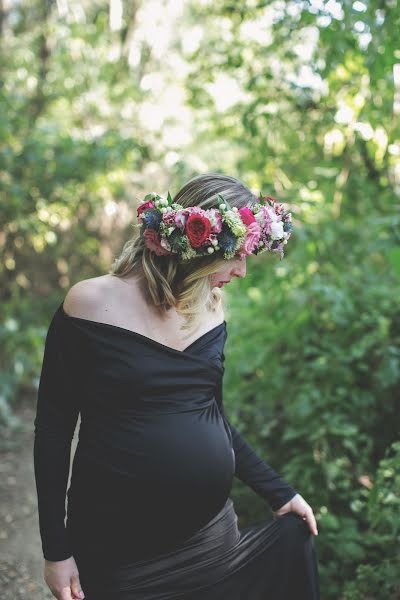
x: 394, y: 259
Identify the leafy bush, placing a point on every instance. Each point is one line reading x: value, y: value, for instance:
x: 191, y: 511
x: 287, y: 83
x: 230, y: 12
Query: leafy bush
x: 312, y: 379
x: 378, y: 578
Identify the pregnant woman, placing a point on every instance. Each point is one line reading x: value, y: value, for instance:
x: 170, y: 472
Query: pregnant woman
x: 138, y: 353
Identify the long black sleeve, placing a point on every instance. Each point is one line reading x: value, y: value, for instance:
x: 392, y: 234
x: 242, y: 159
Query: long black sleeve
x: 252, y: 470
x: 56, y: 417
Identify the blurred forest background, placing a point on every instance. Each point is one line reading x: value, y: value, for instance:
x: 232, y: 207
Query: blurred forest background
x: 102, y: 102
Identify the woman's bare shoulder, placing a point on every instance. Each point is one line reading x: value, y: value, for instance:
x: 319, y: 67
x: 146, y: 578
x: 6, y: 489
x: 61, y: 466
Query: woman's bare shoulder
x: 84, y: 297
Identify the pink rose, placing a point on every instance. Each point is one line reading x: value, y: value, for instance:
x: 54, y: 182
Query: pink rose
x: 246, y: 214
x: 252, y: 238
x: 142, y: 207
x: 165, y: 243
x: 197, y: 210
x: 180, y: 218
x: 153, y: 243
x: 215, y: 217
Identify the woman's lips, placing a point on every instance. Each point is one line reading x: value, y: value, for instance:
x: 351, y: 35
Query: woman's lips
x: 221, y: 283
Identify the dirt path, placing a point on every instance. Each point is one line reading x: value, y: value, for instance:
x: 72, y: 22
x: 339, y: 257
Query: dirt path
x: 21, y: 560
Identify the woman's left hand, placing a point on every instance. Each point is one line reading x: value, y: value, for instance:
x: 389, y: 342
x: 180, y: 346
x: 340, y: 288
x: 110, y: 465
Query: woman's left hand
x: 298, y: 505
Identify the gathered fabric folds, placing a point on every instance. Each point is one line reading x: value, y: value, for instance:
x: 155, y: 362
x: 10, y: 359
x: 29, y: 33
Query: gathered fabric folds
x: 275, y: 560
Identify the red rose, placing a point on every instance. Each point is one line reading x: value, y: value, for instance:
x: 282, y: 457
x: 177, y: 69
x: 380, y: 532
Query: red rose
x: 246, y: 214
x: 197, y: 229
x: 144, y: 206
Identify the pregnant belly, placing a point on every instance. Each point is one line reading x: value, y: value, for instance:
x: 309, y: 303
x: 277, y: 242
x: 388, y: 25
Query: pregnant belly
x: 180, y: 475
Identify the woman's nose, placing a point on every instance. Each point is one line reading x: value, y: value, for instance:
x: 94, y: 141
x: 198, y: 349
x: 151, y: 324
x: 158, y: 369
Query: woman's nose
x: 240, y: 270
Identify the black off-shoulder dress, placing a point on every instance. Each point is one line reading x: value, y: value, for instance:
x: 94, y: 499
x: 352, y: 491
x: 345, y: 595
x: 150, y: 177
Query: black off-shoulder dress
x: 149, y: 515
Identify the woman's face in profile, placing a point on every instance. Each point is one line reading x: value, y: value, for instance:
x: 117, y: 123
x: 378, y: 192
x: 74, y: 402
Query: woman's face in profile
x: 235, y: 267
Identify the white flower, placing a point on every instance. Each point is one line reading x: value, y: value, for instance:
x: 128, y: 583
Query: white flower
x: 164, y: 243
x: 272, y: 214
x: 277, y: 230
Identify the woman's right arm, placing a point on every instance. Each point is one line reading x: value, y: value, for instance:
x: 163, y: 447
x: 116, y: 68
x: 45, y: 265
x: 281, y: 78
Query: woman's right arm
x: 250, y: 468
x: 54, y: 425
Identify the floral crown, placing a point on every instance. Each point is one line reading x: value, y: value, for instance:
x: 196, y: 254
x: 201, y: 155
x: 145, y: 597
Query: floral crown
x: 168, y: 228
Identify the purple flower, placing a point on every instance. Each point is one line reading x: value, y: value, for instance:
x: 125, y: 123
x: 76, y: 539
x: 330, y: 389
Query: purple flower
x: 169, y: 218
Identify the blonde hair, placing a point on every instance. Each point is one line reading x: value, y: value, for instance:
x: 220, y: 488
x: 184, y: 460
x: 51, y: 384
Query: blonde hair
x: 167, y: 283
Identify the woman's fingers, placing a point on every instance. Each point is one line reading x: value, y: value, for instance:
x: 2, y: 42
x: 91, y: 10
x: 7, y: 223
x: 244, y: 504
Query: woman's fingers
x: 62, y: 577
x: 308, y: 516
x: 65, y: 594
x: 299, y: 506
x: 76, y: 588
x: 302, y: 508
